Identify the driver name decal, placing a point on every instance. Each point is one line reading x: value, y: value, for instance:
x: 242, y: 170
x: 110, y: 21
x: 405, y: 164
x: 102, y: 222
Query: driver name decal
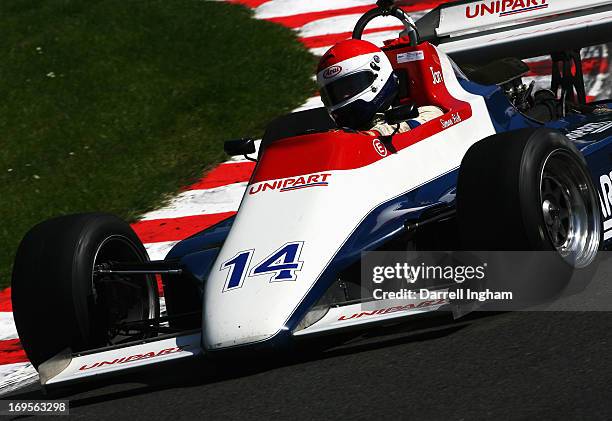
x: 291, y: 183
x: 436, y: 76
x: 455, y: 118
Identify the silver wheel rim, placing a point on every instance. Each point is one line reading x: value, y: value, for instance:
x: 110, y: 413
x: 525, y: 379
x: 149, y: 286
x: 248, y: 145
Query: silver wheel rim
x: 146, y: 308
x: 569, y: 208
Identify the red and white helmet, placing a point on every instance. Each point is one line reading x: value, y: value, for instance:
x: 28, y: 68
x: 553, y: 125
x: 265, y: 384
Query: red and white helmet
x: 356, y: 81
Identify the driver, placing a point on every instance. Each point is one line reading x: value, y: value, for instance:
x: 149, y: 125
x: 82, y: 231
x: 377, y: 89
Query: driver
x: 358, y: 85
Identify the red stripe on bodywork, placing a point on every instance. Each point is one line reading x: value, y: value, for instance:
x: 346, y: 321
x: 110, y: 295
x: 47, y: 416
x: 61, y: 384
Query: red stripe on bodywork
x: 225, y: 174
x: 11, y: 352
x: 331, y: 39
x: 176, y: 229
x: 286, y: 159
x: 5, y: 300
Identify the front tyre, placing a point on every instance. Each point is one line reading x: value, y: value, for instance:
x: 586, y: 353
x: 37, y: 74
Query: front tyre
x: 59, y: 301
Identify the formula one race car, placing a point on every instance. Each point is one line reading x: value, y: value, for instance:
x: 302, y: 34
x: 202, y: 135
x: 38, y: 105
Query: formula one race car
x: 504, y: 168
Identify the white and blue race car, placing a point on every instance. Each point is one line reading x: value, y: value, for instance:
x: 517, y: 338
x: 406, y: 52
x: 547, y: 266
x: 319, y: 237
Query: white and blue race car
x: 505, y: 168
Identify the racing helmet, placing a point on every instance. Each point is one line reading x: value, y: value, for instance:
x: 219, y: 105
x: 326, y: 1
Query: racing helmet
x: 356, y: 81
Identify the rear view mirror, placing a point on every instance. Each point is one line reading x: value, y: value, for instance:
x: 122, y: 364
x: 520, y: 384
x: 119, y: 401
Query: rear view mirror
x: 401, y: 113
x: 238, y: 147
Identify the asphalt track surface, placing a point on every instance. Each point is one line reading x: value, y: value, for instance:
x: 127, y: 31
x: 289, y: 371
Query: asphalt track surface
x: 488, y: 366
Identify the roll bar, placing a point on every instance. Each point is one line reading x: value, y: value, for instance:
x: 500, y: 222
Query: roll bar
x: 387, y: 8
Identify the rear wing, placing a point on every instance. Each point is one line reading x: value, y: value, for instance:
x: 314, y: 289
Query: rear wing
x: 481, y: 31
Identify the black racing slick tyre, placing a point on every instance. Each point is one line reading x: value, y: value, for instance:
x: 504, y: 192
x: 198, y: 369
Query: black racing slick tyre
x: 59, y: 303
x: 530, y: 190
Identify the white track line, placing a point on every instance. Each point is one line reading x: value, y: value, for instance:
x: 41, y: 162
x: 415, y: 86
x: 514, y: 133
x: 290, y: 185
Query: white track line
x: 339, y: 24
x: 7, y: 326
x: 377, y: 38
x: 346, y: 23
x: 280, y: 8
x: 601, y: 89
x: 158, y: 251
x: 314, y: 102
x: 242, y: 159
x: 597, y: 90
x: 201, y: 202
x: 16, y: 376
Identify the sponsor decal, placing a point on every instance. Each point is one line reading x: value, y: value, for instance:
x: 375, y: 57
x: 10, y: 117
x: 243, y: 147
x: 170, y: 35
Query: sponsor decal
x: 331, y: 72
x: 436, y: 76
x: 605, y: 199
x: 455, y: 118
x: 396, y: 309
x: 380, y: 148
x: 291, y: 183
x: 504, y: 8
x: 587, y: 129
x: 410, y: 56
x: 132, y: 358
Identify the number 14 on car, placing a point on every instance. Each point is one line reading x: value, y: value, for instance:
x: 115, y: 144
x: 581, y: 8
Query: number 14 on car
x: 282, y: 264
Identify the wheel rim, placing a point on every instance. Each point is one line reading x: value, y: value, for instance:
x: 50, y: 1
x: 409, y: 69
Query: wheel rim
x: 569, y: 208
x: 120, y: 299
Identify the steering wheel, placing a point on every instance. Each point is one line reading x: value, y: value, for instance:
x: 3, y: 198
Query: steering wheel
x: 386, y: 8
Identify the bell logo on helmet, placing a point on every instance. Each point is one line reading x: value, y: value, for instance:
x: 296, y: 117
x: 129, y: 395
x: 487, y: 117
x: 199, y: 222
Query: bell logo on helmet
x: 331, y: 72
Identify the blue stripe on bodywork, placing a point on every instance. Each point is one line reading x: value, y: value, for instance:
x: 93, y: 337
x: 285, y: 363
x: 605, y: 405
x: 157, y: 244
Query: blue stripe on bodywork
x: 198, y: 253
x: 504, y: 116
x: 382, y: 224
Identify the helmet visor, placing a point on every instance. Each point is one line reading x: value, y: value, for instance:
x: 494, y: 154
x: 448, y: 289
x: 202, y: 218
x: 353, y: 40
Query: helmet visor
x: 346, y: 87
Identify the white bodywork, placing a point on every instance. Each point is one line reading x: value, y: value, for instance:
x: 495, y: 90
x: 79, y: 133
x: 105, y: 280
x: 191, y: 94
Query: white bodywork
x: 322, y: 218
x: 477, y: 17
x: 507, y: 28
x: 105, y: 362
x: 375, y: 311
x: 507, y: 37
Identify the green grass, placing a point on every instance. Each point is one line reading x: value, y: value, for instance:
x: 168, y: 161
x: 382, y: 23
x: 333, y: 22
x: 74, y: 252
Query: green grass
x: 112, y: 105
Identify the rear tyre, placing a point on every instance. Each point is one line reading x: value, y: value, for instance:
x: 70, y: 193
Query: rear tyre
x: 530, y: 190
x: 58, y: 301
